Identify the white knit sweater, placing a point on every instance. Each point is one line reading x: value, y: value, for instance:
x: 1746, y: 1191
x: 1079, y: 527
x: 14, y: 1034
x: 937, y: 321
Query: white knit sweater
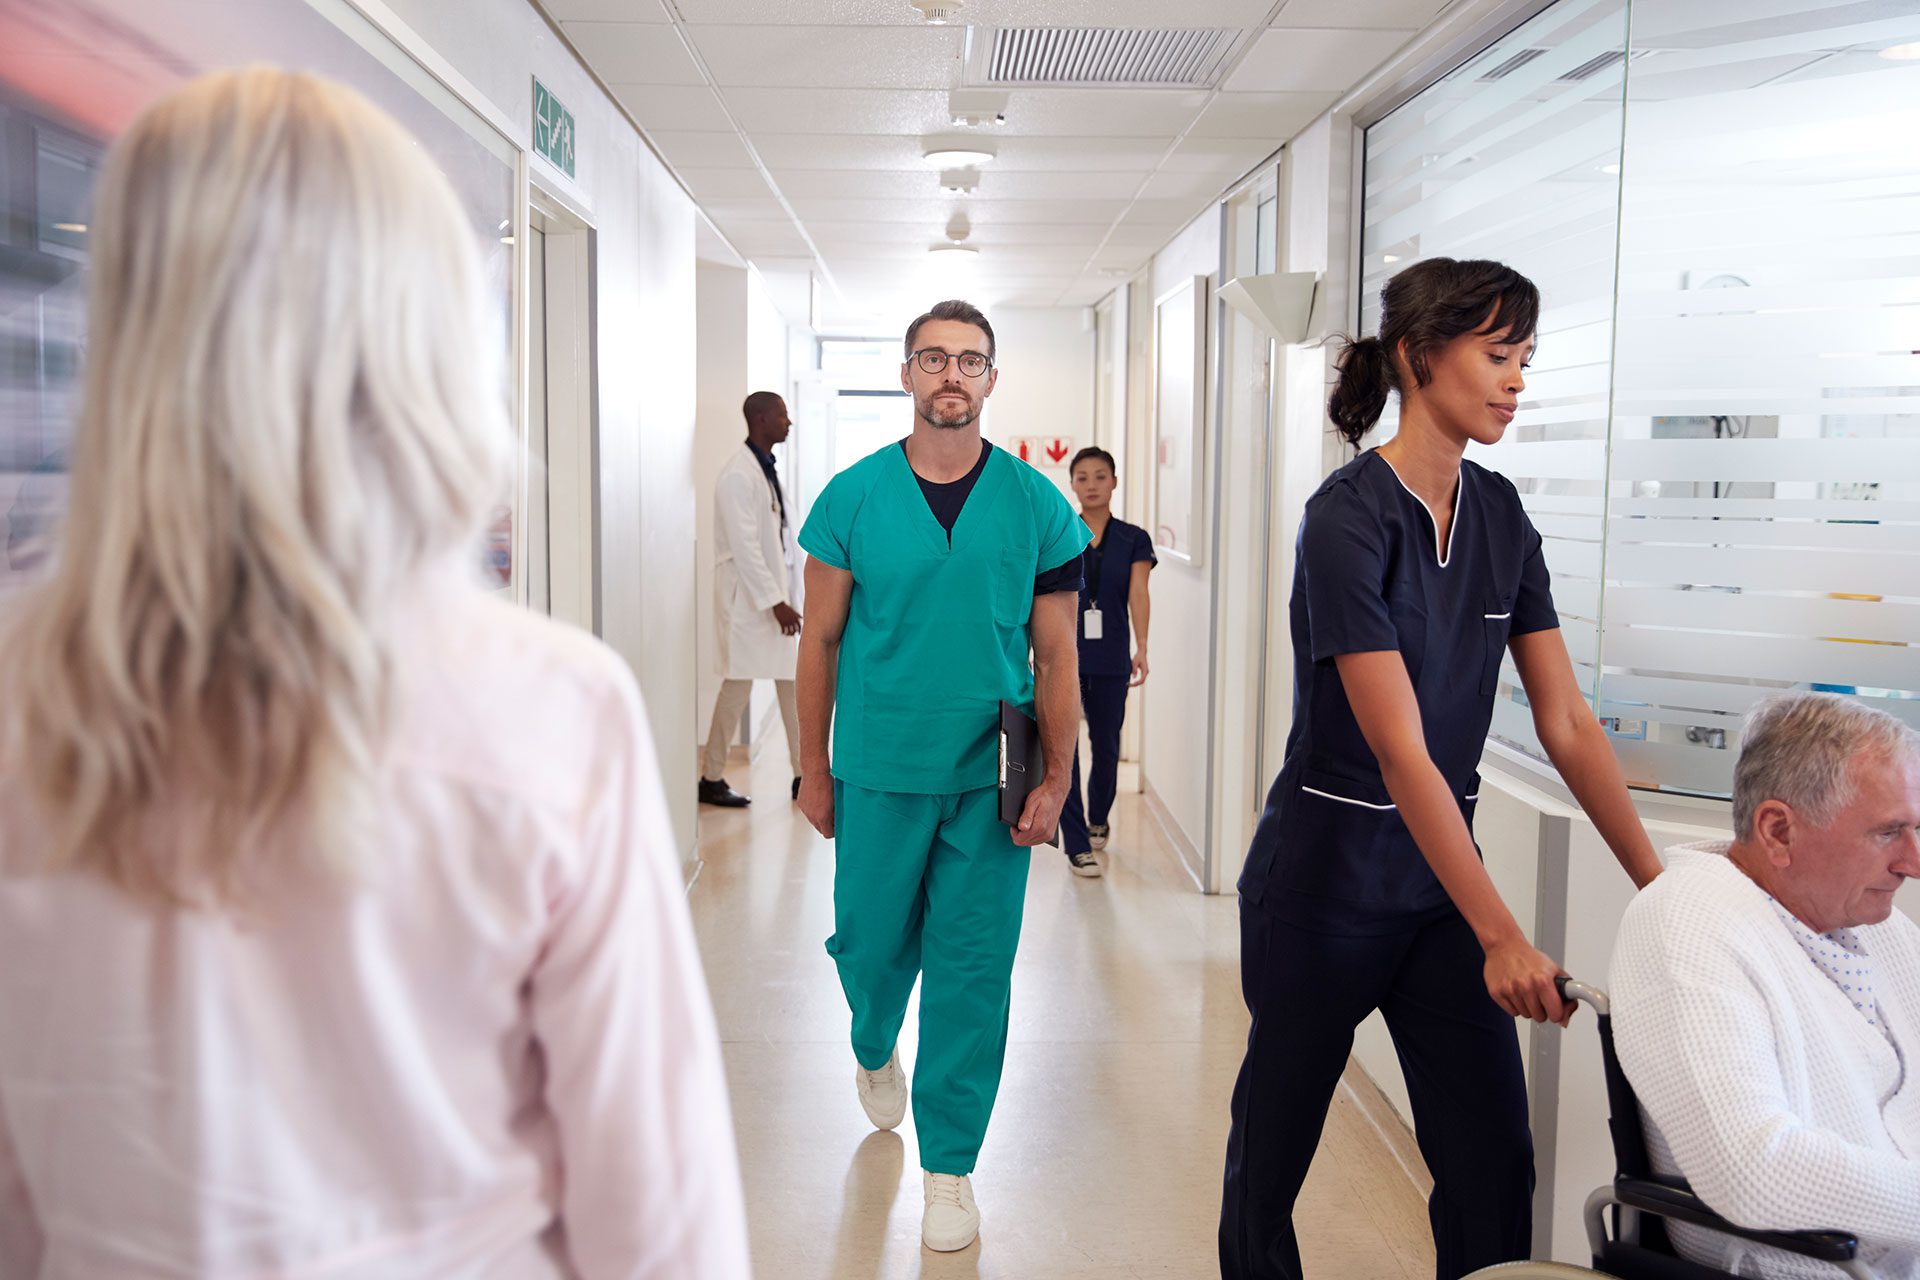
x: 1759, y: 1081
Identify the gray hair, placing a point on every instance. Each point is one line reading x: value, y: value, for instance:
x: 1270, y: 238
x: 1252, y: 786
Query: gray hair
x: 1797, y: 749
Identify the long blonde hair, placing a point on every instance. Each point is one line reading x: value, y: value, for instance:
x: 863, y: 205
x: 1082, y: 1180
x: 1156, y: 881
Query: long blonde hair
x: 288, y: 420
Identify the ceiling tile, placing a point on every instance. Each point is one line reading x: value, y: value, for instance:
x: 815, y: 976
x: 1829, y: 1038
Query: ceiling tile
x: 727, y: 212
x: 935, y: 210
x: 922, y: 183
x: 696, y: 150
x: 1096, y: 113
x: 1269, y: 117
x: 1405, y: 14
x: 1173, y: 184
x: 980, y: 13
x: 633, y: 53
x: 674, y: 107
x: 565, y: 11
x: 922, y: 57
x: 1230, y: 156
x: 722, y: 183
x: 910, y: 111
x: 1309, y: 59
x: 786, y: 150
x: 766, y: 238
x: 857, y: 234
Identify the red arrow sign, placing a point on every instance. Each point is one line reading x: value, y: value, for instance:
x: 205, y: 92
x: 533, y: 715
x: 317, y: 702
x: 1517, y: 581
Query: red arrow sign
x: 1057, y: 450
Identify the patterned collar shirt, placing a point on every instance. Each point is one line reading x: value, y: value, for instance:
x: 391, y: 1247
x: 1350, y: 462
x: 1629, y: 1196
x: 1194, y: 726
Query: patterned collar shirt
x: 1842, y: 955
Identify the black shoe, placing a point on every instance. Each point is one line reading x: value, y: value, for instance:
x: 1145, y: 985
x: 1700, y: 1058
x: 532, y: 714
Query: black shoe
x: 796, y: 788
x: 716, y: 792
x: 1084, y: 864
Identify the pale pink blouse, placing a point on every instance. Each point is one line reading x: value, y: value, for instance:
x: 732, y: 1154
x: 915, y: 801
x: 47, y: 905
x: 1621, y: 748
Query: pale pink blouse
x: 497, y: 1059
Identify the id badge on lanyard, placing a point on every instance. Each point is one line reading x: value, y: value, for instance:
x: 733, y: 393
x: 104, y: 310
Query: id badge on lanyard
x: 1092, y: 626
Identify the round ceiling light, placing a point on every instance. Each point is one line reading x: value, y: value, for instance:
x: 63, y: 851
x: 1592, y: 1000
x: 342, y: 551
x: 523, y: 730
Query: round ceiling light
x: 956, y: 155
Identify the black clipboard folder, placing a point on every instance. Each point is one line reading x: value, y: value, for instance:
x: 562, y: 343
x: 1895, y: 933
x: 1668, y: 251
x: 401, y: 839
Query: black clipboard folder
x: 1023, y: 766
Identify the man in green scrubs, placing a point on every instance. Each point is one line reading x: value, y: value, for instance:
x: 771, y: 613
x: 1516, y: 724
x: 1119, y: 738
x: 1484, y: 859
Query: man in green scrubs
x: 935, y: 566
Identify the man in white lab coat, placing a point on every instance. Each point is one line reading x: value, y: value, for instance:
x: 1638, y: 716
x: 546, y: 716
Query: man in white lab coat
x: 756, y: 588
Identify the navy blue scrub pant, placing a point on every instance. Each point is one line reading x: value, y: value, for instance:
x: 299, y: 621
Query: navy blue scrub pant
x: 1105, y: 700
x: 1461, y: 1057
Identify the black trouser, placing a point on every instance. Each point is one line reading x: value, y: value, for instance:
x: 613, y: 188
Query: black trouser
x: 1459, y: 1052
x: 1105, y: 701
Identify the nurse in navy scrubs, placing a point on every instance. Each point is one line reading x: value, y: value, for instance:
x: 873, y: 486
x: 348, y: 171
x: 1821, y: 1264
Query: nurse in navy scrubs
x: 1363, y: 890
x: 1117, y: 563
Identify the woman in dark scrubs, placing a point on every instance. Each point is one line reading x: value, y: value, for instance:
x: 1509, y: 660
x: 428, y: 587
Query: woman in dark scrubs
x: 1117, y: 563
x: 1416, y: 570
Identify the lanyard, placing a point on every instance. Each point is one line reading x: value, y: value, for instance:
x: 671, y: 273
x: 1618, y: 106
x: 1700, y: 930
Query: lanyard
x: 1097, y: 556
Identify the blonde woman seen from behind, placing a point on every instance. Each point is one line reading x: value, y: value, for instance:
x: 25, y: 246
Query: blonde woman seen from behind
x: 341, y: 927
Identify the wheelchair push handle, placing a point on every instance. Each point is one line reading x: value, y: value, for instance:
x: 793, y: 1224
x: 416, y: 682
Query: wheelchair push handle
x: 1572, y: 989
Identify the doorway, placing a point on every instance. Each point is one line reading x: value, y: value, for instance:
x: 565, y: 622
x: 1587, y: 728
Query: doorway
x: 560, y: 449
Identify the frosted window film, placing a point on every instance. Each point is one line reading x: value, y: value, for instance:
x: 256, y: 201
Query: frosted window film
x: 1720, y: 437
x: 1507, y: 157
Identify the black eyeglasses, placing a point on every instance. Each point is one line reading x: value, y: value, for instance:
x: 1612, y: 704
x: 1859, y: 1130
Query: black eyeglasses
x: 934, y: 360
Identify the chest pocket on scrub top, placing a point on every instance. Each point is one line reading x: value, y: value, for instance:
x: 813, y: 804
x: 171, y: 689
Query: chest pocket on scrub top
x: 1013, y: 587
x: 1498, y: 621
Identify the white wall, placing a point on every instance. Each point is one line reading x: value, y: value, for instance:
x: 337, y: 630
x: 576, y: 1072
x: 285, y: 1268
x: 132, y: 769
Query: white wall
x: 1173, y: 708
x: 644, y: 284
x: 1046, y: 360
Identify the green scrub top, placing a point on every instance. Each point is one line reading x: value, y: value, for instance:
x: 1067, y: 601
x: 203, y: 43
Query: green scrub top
x: 936, y: 634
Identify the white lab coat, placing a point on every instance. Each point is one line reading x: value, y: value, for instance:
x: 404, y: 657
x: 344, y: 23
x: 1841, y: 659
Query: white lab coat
x: 755, y: 566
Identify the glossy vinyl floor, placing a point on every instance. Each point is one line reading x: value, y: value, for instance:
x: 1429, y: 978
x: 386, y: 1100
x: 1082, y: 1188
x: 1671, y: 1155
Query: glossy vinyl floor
x: 1105, y: 1152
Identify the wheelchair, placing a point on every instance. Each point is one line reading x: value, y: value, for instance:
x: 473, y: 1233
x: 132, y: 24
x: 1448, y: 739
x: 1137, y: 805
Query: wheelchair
x: 1639, y: 1203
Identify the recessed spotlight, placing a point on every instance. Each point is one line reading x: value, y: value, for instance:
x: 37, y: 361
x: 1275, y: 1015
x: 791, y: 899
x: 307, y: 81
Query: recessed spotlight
x: 1609, y: 168
x: 1389, y: 257
x: 1902, y: 52
x: 956, y: 155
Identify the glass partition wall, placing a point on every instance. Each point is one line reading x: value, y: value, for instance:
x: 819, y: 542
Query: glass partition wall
x: 1720, y: 437
x: 72, y: 76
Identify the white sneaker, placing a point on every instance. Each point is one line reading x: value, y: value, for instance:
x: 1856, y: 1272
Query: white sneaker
x: 883, y: 1093
x: 1097, y: 837
x: 952, y: 1221
x: 1084, y: 864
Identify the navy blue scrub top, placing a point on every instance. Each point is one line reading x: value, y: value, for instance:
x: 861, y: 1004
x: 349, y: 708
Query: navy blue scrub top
x: 1109, y: 582
x: 1331, y: 852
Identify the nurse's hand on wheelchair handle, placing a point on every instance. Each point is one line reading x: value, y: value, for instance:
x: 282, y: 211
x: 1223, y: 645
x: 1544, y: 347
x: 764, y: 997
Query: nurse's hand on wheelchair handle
x: 1041, y: 818
x: 816, y: 801
x: 1520, y: 978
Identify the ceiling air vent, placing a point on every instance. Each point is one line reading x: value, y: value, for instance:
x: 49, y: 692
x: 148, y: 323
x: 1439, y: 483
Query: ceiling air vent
x: 1502, y: 70
x: 1189, y: 58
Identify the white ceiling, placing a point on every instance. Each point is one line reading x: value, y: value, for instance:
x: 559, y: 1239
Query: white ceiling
x: 799, y: 126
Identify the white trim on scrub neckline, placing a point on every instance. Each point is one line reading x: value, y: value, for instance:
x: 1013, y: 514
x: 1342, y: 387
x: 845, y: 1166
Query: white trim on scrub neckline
x: 1459, y: 487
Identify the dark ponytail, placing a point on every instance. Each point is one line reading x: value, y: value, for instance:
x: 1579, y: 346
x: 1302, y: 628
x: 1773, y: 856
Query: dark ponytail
x: 1360, y: 396
x: 1421, y: 310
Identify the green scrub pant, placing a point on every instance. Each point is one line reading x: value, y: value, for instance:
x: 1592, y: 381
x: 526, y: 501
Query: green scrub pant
x: 930, y: 887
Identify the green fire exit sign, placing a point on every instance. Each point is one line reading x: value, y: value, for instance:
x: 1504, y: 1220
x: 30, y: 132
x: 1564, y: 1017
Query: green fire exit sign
x: 552, y: 129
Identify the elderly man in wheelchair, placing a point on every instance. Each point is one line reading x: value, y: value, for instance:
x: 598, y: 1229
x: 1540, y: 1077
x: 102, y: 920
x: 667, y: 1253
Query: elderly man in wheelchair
x: 1763, y: 1048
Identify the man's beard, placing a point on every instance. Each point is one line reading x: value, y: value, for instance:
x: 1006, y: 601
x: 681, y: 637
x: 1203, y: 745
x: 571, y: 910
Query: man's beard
x: 948, y: 419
